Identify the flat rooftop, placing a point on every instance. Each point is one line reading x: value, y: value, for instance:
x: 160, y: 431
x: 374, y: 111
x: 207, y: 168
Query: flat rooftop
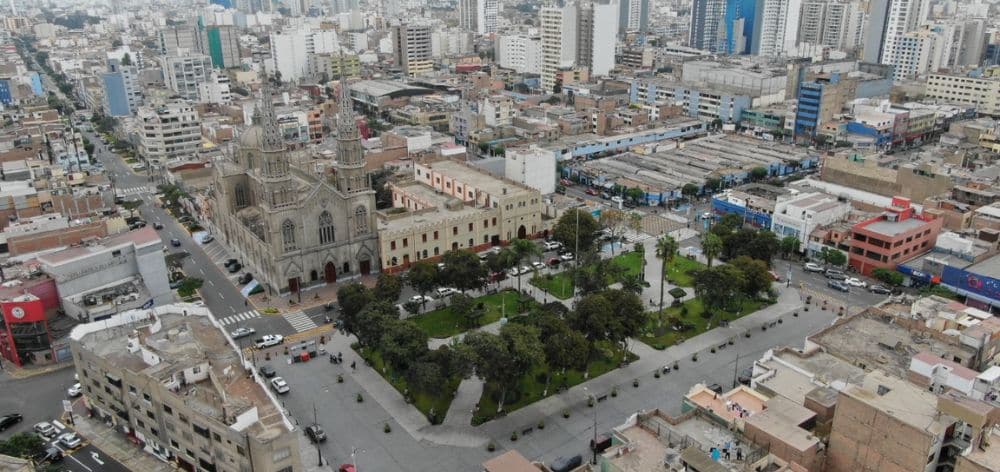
x: 648, y: 454
x: 430, y: 216
x: 871, y: 341
x: 990, y: 267
x: 900, y: 399
x: 892, y: 228
x: 140, y: 238
x: 989, y: 457
x: 471, y: 176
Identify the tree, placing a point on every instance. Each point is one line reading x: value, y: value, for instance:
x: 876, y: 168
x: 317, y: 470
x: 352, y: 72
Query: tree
x: 464, y: 271
x: 23, y: 445
x: 593, y: 317
x: 615, y: 222
x: 116, y: 43
x: 565, y: 349
x: 887, y: 276
x: 756, y: 277
x: 524, y: 249
x: 718, y: 287
x: 388, y: 287
x: 789, y: 245
x: 566, y: 230
x: 758, y: 173
x: 689, y: 190
x: 729, y: 223
x: 633, y: 283
x: 424, y: 376
x: 423, y: 277
x: 713, y: 184
x: 832, y: 257
x: 628, y: 316
x: 188, y: 286
x: 402, y: 342
x: 596, y: 274
x: 763, y: 246
x: 468, y: 309
x: 666, y: 249
x: 501, y: 261
x: 126, y: 60
x: 372, y: 322
x: 503, y: 359
x: 637, y: 195
x: 352, y: 298
x: 711, y: 246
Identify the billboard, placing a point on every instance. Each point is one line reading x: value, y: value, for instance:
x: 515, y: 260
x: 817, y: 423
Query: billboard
x: 981, y: 285
x: 25, y: 311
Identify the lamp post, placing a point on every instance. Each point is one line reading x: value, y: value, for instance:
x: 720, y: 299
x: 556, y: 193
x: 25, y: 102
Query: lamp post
x: 319, y: 452
x: 593, y: 444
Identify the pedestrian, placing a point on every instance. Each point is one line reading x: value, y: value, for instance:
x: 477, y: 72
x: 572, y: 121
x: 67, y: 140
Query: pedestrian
x: 353, y: 365
x: 739, y: 454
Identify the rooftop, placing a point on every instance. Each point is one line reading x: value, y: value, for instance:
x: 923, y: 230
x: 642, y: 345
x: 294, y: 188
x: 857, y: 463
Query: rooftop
x: 990, y: 267
x: 900, y: 399
x: 184, y: 348
x: 443, y: 207
x: 472, y: 176
x: 510, y: 461
x: 892, y: 228
x: 140, y: 238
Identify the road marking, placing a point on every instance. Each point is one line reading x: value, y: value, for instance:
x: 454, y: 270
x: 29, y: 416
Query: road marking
x: 300, y: 321
x: 58, y: 425
x: 81, y: 463
x: 96, y: 457
x: 246, y: 315
x: 221, y: 296
x: 211, y: 283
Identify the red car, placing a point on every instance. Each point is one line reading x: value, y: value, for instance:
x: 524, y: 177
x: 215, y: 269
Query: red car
x: 566, y: 182
x: 591, y: 191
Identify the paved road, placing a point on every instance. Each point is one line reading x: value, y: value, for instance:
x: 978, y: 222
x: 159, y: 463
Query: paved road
x: 219, y: 290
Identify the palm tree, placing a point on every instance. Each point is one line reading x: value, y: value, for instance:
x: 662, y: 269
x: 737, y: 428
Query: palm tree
x: 711, y: 246
x: 524, y: 249
x: 666, y: 248
x: 633, y: 283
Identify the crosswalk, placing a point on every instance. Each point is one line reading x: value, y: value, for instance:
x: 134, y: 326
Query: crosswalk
x: 246, y: 315
x: 299, y: 321
x: 132, y: 190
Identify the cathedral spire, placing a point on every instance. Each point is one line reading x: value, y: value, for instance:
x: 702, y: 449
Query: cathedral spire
x: 347, y: 126
x: 270, y: 136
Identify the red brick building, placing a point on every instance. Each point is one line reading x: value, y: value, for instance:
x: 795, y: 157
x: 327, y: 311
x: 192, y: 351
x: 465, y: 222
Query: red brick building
x: 895, y: 236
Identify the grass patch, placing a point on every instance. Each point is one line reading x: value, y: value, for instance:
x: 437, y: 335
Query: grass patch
x: 442, y: 323
x: 434, y: 407
x: 660, y: 332
x: 631, y: 262
x: 559, y: 285
x: 531, y: 387
x: 681, y: 271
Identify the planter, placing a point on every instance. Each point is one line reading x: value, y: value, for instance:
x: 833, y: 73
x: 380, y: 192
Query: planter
x: 780, y: 321
x: 340, y: 378
x: 713, y: 350
x: 491, y: 446
x: 387, y: 429
x: 747, y: 334
x: 565, y: 413
x: 763, y: 328
x: 513, y: 436
x: 694, y: 358
x: 541, y: 425
x: 614, y: 392
x: 360, y: 398
x: 795, y: 314
x: 590, y: 402
x: 635, y: 383
x: 731, y: 342
x: 677, y: 365
x: 656, y: 374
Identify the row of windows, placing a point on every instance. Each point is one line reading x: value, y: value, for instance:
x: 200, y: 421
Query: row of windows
x: 454, y: 232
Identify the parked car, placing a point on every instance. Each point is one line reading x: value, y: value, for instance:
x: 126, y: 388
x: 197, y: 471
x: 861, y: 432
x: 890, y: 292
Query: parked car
x: 567, y: 257
x: 445, y: 291
x: 421, y: 298
x: 838, y: 285
x: 279, y: 385
x: 554, y: 261
x: 269, y: 340
x: 157, y: 225
x: 812, y: 267
x: 538, y: 265
x: 70, y: 440
x: 175, y: 242
x: 9, y: 420
x: 566, y: 182
x: 315, y: 433
x: 525, y: 270
x: 498, y: 276
x: 245, y: 278
x: 230, y: 262
x: 266, y: 370
x: 566, y: 464
x: 242, y: 332
x: 235, y: 268
x: 855, y: 282
x: 552, y: 245
x: 207, y: 239
x: 74, y: 391
x: 835, y: 274
x: 51, y: 455
x: 591, y: 191
x: 45, y: 429
x: 879, y: 289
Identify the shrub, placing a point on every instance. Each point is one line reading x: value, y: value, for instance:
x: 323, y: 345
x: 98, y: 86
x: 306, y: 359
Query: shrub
x: 614, y: 392
x: 491, y: 446
x: 513, y: 436
x: 541, y: 424
x: 340, y: 378
x: 387, y: 429
x: 565, y: 413
x: 360, y: 398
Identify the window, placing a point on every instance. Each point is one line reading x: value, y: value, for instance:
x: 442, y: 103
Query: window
x: 392, y: 245
x: 454, y: 230
x: 361, y: 220
x: 174, y: 444
x: 494, y: 221
x: 470, y: 226
x: 150, y: 415
x: 326, y: 235
x: 435, y: 235
x: 288, y: 235
x: 168, y: 410
x: 470, y: 242
x: 406, y: 242
x: 423, y: 237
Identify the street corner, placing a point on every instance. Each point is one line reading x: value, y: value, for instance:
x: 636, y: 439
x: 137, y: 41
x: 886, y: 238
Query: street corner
x: 19, y: 373
x: 325, y: 331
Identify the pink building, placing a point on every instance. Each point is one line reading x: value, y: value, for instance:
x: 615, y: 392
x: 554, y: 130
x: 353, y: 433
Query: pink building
x: 895, y: 236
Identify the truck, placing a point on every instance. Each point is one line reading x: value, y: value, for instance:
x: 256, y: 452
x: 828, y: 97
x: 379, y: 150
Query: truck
x: 269, y: 340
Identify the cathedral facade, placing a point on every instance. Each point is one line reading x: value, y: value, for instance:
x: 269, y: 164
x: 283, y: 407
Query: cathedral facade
x: 290, y: 227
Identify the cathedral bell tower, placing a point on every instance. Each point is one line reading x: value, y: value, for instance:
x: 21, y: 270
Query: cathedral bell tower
x: 272, y: 166
x: 351, y: 175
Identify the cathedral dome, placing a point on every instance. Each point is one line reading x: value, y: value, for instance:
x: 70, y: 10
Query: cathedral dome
x: 250, y: 139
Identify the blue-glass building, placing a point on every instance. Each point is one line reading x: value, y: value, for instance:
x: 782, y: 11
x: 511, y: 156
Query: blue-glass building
x: 6, y: 97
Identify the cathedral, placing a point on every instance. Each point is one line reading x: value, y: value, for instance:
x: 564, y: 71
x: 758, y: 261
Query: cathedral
x: 291, y: 227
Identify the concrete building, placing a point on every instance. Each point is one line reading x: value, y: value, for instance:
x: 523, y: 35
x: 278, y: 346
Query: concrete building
x: 468, y: 17
x: 531, y: 166
x: 184, y: 74
x: 707, y: 28
x: 775, y: 27
x: 486, y: 16
x: 559, y: 42
x: 800, y: 215
x: 980, y: 89
x: 215, y: 89
x: 412, y: 49
x: 819, y: 101
x: 115, y: 274
x: 450, y: 206
x: 888, y: 23
x: 915, y: 53
x: 597, y: 29
x: 180, y: 40
x: 223, y: 45
x: 633, y: 16
x: 834, y: 23
x: 520, y: 52
x: 891, y: 238
x: 498, y: 110
x: 168, y: 132
x: 290, y: 54
x: 122, y: 93
x: 181, y: 387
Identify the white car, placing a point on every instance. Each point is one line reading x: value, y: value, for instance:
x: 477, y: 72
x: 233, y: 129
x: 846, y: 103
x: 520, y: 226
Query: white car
x: 45, y: 429
x: 70, y: 440
x: 279, y: 385
x: 538, y: 265
x: 446, y: 291
x: 269, y: 340
x: 514, y: 272
x: 813, y: 267
x: 75, y: 390
x: 525, y: 270
x: 552, y: 245
x: 242, y: 332
x: 421, y: 298
x: 855, y: 282
x: 567, y: 257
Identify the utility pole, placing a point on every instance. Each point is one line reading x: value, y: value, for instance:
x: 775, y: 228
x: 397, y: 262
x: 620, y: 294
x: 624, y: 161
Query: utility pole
x: 319, y: 452
x: 736, y: 366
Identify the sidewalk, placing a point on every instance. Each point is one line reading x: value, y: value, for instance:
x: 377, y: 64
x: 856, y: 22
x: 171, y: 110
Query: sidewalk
x: 15, y: 372
x: 114, y: 443
x: 311, y: 296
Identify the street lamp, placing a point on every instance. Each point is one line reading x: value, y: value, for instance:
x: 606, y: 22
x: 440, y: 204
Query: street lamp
x: 593, y: 444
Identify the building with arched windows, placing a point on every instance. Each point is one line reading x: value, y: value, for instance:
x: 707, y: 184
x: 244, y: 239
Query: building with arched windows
x: 294, y: 226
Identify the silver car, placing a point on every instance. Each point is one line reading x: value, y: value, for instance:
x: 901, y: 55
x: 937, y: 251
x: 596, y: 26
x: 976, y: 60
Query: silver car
x: 242, y: 332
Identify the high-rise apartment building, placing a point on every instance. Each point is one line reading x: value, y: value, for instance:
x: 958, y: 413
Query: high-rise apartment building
x: 468, y: 15
x: 981, y: 90
x: 915, y: 53
x: 478, y: 16
x: 175, y: 40
x: 707, y: 29
x: 215, y: 89
x: 633, y: 16
x: 833, y: 23
x: 775, y: 27
x: 888, y: 22
x: 559, y: 42
x: 184, y: 74
x: 122, y: 93
x: 520, y: 52
x: 168, y: 132
x: 180, y: 386
x: 412, y: 47
x: 597, y: 31
x: 223, y: 45
x: 290, y: 55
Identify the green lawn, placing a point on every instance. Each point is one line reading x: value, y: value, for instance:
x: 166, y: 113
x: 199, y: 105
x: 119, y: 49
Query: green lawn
x: 560, y: 285
x: 631, y: 262
x: 428, y: 404
x: 531, y: 386
x: 659, y: 334
x: 443, y: 323
x: 681, y: 271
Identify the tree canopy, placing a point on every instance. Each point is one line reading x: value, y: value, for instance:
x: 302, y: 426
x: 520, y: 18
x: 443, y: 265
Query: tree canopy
x: 566, y: 230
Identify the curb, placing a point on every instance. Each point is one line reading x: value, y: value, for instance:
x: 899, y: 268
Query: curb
x: 22, y: 373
